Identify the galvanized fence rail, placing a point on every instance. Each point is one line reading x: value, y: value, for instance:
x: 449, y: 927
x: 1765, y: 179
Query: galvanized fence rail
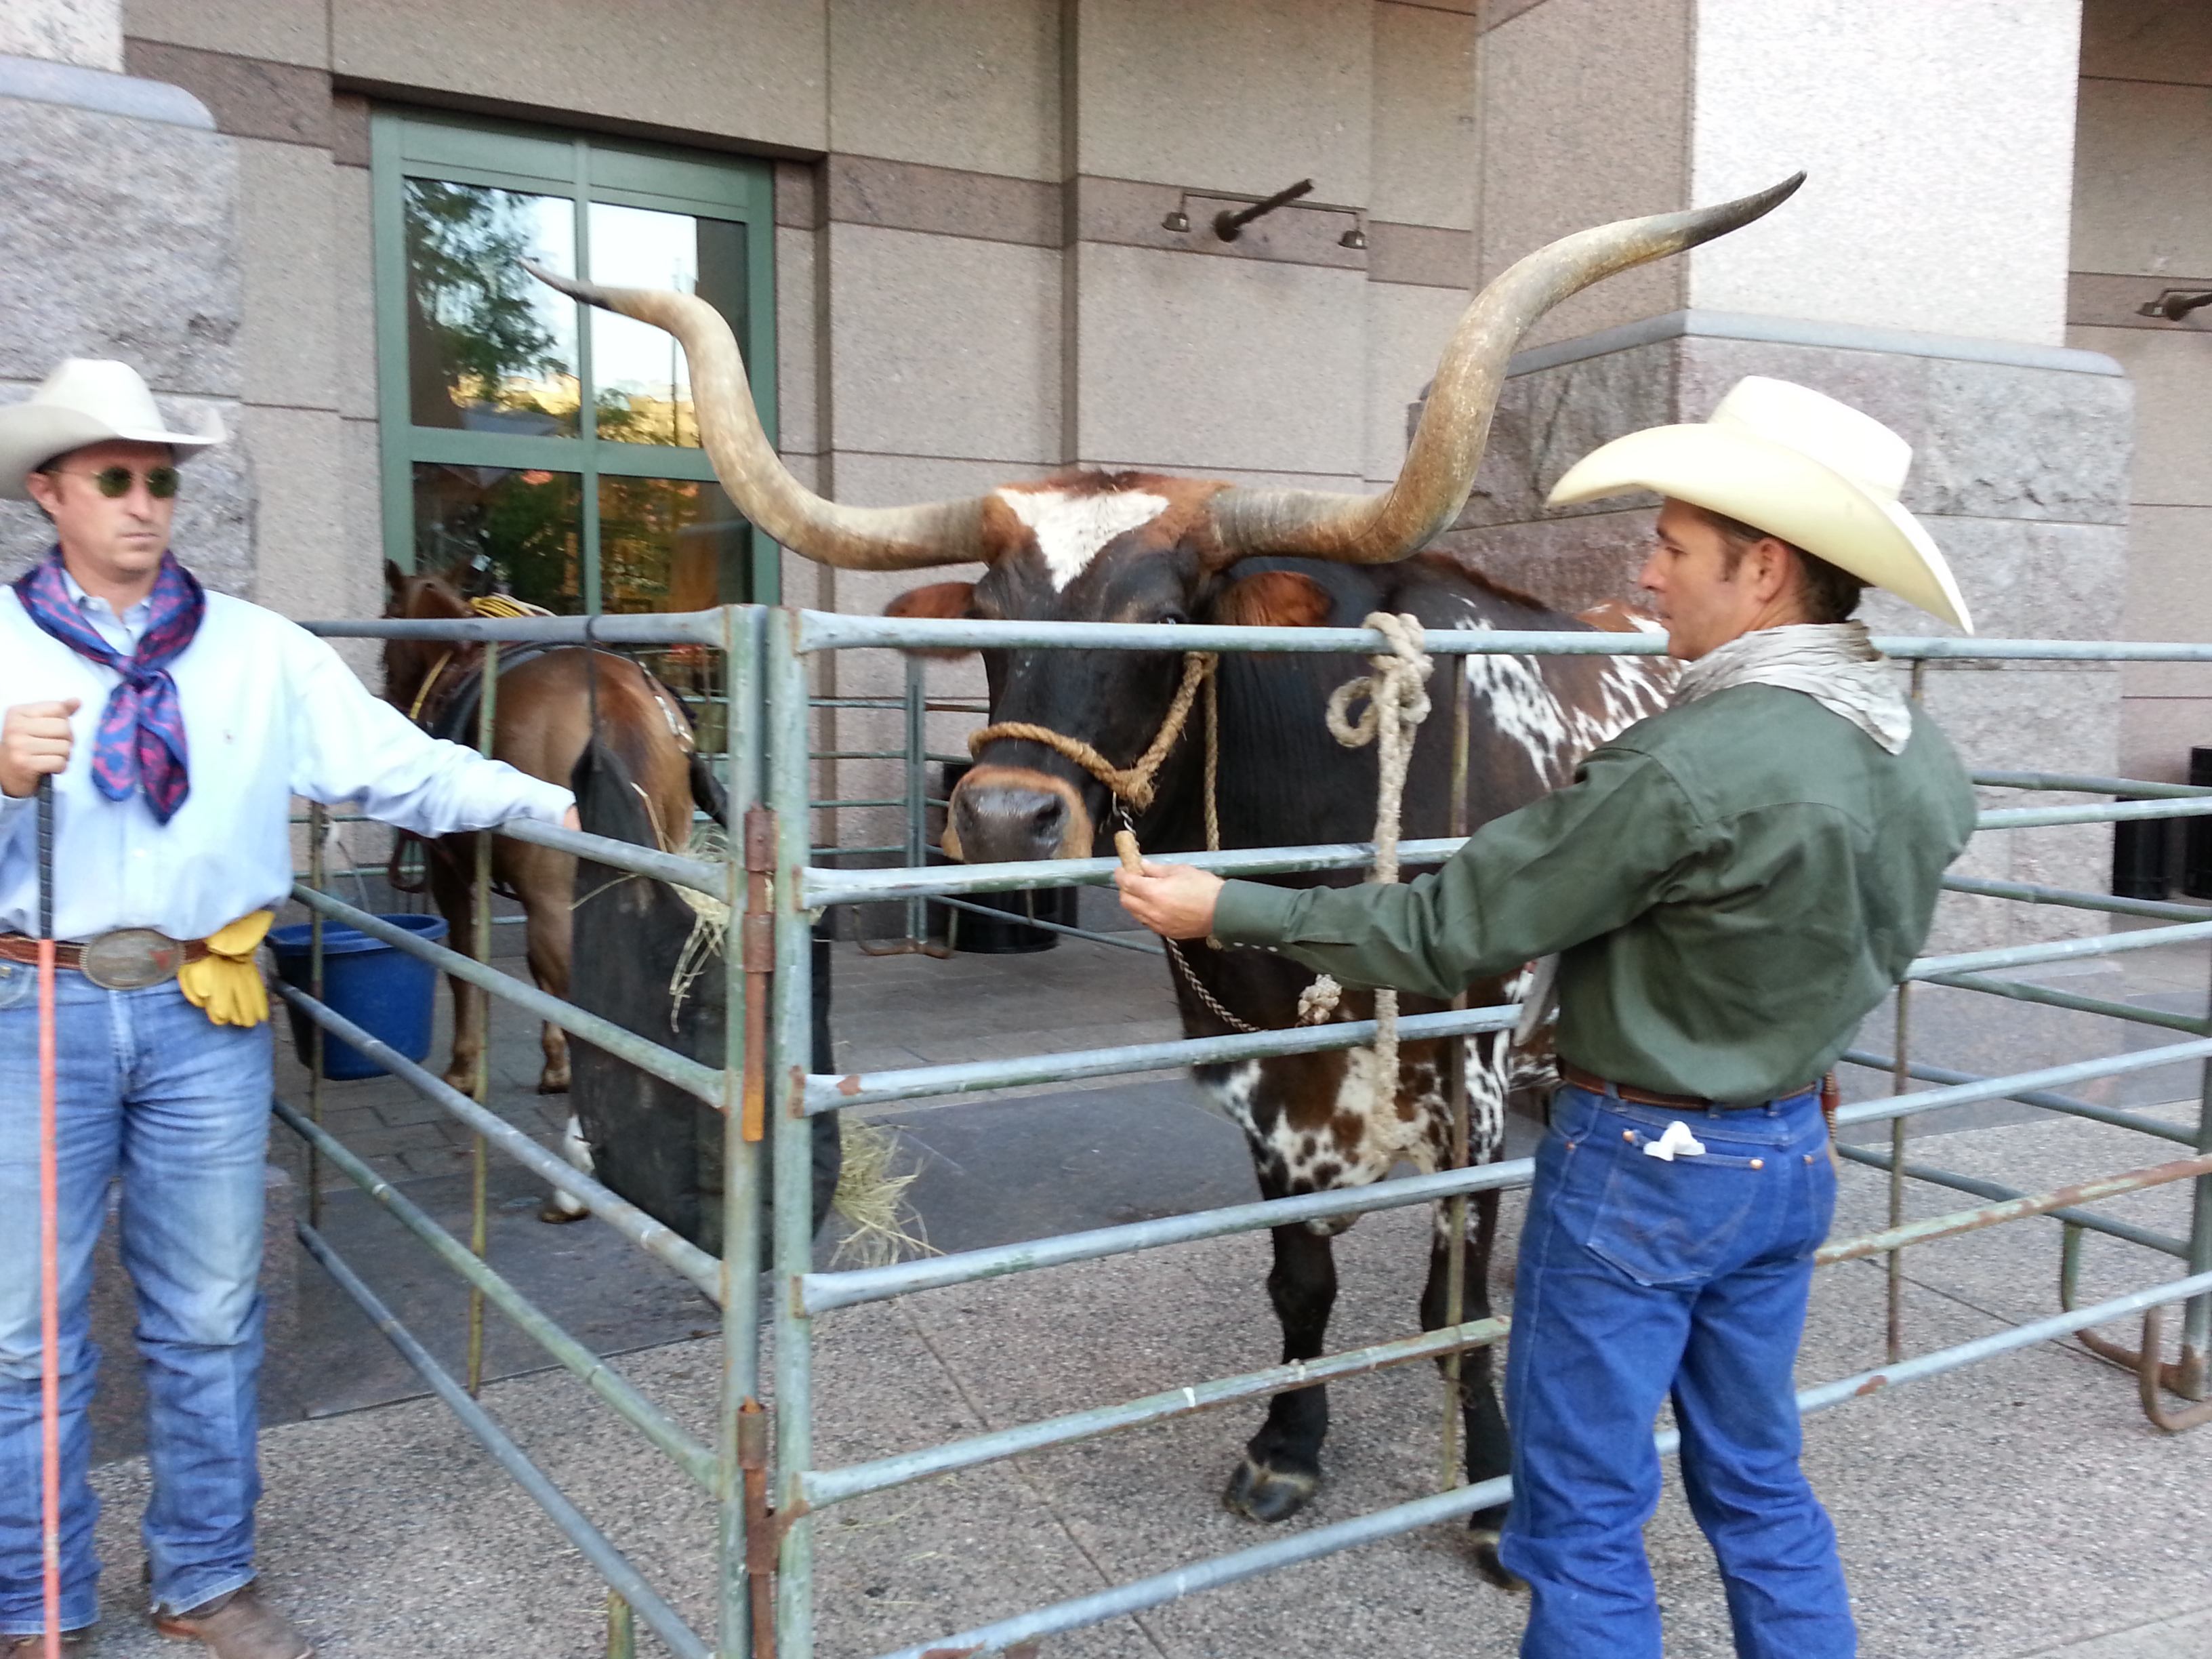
x: 760, y: 1467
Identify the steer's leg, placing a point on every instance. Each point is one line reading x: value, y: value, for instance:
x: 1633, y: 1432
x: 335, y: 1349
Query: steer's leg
x: 1482, y: 1423
x: 1282, y: 1462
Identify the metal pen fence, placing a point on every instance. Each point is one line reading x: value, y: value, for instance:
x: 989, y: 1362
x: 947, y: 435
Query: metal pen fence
x: 760, y: 1469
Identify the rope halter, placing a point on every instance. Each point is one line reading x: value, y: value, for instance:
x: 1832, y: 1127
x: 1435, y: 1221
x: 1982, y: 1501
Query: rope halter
x: 1131, y: 783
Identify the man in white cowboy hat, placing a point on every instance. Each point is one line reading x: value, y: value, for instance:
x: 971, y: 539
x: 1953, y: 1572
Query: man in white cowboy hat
x: 1730, y: 887
x: 177, y: 726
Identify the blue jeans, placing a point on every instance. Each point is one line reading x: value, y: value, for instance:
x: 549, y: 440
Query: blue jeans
x: 151, y: 1091
x: 1640, y: 1277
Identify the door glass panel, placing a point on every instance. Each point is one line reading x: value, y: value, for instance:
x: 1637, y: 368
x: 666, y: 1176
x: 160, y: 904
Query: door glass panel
x: 496, y: 528
x: 673, y: 545
x: 641, y: 387
x: 664, y: 544
x: 490, y: 348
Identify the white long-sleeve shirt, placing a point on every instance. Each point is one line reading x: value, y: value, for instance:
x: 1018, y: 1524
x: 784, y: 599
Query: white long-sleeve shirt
x: 270, y: 712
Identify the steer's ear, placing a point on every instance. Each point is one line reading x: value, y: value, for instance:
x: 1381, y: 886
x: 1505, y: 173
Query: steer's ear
x: 1272, y: 598
x: 946, y: 599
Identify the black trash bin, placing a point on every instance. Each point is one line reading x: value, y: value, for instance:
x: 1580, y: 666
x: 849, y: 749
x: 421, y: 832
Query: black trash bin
x: 2197, y: 834
x: 2139, y: 859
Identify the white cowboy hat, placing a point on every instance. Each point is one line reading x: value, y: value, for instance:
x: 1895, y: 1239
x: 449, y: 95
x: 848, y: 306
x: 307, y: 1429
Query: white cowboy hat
x: 87, y: 400
x: 1801, y: 466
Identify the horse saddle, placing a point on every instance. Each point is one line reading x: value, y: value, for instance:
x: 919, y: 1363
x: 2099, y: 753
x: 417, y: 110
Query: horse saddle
x: 454, y: 716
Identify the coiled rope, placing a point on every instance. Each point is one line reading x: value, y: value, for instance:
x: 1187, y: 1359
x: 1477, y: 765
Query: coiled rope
x: 1397, y: 697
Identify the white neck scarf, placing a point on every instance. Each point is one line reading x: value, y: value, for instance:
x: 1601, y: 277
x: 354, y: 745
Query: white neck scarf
x: 1835, y: 663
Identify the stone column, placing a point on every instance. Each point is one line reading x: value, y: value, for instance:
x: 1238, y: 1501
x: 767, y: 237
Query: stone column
x: 1919, y: 274
x: 120, y: 224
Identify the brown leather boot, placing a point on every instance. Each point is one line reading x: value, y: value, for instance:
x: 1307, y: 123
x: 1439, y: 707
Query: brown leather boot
x: 238, y: 1625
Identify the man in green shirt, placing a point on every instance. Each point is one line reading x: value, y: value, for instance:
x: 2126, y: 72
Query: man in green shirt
x: 1729, y: 887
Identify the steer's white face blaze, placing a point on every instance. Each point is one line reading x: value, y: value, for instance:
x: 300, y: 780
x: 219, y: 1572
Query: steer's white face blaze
x: 1071, y: 528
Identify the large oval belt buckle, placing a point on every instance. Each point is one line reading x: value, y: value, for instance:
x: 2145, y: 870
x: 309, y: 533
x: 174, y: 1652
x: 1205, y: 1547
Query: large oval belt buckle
x: 131, y: 959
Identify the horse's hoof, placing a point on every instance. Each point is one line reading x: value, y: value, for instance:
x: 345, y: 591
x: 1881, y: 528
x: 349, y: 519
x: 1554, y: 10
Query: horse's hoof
x: 557, y: 1212
x: 1485, y: 1540
x: 554, y: 1082
x: 1260, y: 1493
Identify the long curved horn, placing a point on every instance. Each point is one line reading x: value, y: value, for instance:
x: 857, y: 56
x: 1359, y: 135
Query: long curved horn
x: 1446, y: 448
x: 850, y: 537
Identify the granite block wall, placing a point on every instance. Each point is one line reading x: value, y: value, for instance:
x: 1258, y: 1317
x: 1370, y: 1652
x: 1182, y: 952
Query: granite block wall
x: 2021, y: 474
x: 120, y: 223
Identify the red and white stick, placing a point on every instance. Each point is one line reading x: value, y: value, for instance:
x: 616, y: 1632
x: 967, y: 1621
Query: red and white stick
x: 50, y: 1322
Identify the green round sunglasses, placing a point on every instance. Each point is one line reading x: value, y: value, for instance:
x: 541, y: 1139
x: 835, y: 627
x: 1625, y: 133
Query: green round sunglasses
x: 115, y: 481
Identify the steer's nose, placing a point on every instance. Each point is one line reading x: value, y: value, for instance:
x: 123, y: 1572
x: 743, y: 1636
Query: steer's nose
x: 1005, y: 823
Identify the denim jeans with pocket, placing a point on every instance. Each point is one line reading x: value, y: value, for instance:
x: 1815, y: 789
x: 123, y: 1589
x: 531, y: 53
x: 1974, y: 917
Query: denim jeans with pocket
x: 150, y: 1092
x: 1642, y: 1276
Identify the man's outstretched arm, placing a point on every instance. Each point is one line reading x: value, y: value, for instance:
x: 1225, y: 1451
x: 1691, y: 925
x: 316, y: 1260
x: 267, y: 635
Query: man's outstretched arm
x: 1575, y: 864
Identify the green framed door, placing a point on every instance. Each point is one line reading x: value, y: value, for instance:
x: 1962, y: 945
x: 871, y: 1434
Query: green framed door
x: 552, y: 449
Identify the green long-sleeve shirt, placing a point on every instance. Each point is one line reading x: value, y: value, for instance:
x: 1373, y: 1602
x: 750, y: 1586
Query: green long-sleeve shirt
x: 1732, y: 886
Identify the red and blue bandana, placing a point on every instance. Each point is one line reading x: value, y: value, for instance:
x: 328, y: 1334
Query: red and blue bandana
x: 141, y: 739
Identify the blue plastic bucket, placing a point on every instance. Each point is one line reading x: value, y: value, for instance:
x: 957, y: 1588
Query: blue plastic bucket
x: 379, y: 986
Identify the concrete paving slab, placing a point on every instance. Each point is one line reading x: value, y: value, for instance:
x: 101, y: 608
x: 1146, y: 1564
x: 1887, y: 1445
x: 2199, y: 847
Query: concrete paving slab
x: 2021, y: 1507
x: 2187, y: 1636
x: 610, y: 1297
x: 995, y: 1172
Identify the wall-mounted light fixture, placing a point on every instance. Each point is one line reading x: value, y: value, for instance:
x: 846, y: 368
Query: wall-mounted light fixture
x: 1229, y: 224
x: 2175, y: 303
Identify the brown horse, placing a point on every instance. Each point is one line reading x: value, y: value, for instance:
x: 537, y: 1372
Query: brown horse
x: 542, y: 718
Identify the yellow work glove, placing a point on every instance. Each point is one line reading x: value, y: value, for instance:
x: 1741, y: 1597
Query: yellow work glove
x: 226, y: 980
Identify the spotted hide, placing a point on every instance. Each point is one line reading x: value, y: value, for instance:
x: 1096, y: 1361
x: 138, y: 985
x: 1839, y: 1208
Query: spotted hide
x: 1130, y: 548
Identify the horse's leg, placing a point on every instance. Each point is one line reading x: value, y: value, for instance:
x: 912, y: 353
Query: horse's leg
x: 545, y: 882
x: 1282, y: 1462
x: 451, y: 889
x: 1482, y: 1423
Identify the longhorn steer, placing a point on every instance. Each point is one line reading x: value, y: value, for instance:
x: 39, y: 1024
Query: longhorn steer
x: 1313, y: 1122
x: 1137, y: 547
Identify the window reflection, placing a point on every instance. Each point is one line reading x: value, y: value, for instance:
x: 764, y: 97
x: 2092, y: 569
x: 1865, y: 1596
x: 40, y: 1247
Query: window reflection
x: 664, y: 543
x: 490, y: 348
x: 641, y: 387
x: 672, y: 544
x: 499, y: 530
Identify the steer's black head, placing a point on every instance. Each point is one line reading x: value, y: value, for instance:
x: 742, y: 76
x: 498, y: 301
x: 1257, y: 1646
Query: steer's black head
x: 1120, y: 547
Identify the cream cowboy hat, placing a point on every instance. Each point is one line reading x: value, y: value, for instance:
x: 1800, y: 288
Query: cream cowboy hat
x: 87, y: 400
x: 1803, y: 467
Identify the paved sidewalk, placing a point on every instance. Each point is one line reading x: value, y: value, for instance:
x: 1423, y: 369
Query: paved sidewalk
x: 2020, y: 1508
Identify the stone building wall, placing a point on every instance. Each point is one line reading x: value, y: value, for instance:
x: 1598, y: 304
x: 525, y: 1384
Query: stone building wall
x: 2143, y: 228
x: 119, y: 221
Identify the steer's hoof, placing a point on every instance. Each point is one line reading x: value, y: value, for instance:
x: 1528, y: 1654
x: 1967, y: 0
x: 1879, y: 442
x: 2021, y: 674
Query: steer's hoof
x: 554, y: 1082
x: 1264, y: 1494
x: 1484, y: 1542
x: 560, y: 1210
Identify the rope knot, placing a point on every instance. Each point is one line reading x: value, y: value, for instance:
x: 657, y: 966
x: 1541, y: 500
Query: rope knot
x: 1318, y: 1000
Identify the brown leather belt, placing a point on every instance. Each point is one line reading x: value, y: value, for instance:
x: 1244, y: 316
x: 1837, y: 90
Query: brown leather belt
x: 129, y: 959
x: 1570, y: 1073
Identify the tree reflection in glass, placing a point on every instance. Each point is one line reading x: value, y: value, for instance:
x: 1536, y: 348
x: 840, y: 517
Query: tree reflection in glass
x: 489, y: 348
x: 493, y: 530
x: 641, y: 386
